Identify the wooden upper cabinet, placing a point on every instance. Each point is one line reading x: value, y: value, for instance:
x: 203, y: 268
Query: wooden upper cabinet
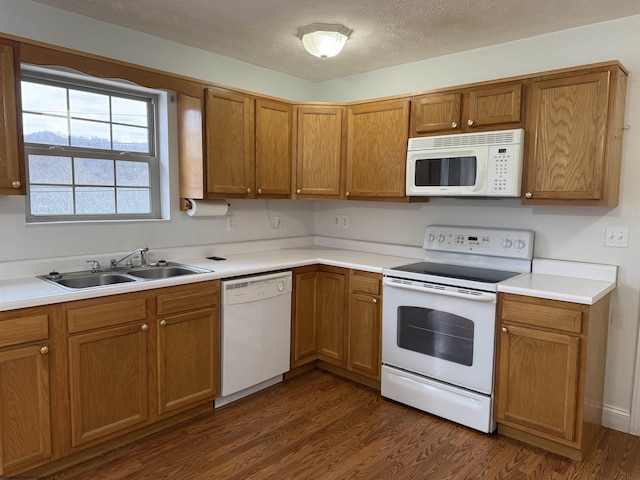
x: 318, y: 151
x: 377, y: 135
x: 492, y: 107
x: 574, y: 138
x: 229, y: 143
x: 273, y: 148
x: 12, y: 181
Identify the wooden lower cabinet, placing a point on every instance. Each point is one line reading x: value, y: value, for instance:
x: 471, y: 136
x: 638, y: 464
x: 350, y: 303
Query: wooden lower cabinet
x: 550, y: 372
x: 337, y: 319
x: 25, y: 412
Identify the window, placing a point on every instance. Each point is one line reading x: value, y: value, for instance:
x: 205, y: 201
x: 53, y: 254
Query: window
x: 90, y: 147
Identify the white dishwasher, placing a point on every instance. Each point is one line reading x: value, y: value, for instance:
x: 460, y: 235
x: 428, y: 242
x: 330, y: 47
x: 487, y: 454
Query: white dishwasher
x: 256, y: 333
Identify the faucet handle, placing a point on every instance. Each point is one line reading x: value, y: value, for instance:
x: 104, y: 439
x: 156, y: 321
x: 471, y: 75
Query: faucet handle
x: 95, y: 265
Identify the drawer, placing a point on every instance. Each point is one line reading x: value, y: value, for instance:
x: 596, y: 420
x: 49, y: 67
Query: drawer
x: 553, y: 314
x: 100, y: 313
x: 24, y: 329
x: 188, y: 297
x: 365, y: 282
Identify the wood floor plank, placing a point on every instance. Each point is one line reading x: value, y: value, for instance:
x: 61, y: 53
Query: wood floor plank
x: 321, y: 427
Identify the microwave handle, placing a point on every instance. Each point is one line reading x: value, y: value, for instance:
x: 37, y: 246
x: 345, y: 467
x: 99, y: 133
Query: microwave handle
x: 477, y: 297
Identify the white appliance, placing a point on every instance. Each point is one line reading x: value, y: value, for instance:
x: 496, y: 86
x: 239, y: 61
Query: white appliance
x: 256, y: 333
x: 485, y: 164
x: 439, y: 321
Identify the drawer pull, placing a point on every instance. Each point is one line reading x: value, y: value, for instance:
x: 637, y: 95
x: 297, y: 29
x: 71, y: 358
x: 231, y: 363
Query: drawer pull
x: 454, y: 124
x: 144, y: 327
x: 504, y: 330
x: 16, y: 184
x: 375, y: 300
x: 163, y: 323
x: 44, y: 349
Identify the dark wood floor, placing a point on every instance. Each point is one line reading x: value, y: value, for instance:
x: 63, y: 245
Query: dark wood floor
x: 319, y: 426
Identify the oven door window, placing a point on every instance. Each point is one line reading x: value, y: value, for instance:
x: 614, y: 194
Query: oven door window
x: 445, y: 172
x: 436, y: 333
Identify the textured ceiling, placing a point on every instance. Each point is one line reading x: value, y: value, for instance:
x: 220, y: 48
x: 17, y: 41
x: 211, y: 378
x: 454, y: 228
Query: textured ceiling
x: 385, y: 32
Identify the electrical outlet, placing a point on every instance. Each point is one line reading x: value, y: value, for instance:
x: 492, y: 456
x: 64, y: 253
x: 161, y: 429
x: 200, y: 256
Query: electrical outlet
x: 336, y: 220
x: 344, y: 220
x: 279, y: 223
x: 231, y: 223
x: 616, y: 237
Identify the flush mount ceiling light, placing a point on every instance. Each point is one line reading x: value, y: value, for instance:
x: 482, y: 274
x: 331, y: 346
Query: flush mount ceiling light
x: 324, y: 40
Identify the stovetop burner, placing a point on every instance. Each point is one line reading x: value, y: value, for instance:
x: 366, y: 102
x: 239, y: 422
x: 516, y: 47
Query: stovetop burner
x: 475, y: 274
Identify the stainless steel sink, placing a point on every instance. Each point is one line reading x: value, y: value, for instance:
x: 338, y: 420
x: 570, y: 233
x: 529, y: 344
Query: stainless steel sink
x: 84, y: 279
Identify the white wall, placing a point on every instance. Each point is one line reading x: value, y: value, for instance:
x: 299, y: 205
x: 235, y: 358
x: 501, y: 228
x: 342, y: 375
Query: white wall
x: 561, y: 232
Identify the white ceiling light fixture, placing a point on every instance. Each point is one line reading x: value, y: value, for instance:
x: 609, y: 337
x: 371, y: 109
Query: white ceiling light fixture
x: 324, y: 40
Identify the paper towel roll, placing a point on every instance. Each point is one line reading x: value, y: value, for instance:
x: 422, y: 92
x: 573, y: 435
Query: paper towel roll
x: 207, y: 208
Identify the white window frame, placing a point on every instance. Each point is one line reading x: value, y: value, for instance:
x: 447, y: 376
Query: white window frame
x: 64, y: 78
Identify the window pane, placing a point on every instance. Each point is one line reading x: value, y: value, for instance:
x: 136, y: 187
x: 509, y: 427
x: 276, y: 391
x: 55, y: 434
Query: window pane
x: 91, y: 106
x: 91, y: 171
x: 45, y: 129
x: 134, y: 200
x: 132, y: 174
x: 130, y: 139
x: 44, y: 98
x: 131, y: 112
x: 46, y: 169
x: 50, y: 200
x: 95, y: 201
x: 90, y: 134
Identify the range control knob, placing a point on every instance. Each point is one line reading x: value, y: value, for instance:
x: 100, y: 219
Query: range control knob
x: 506, y: 243
x: 519, y: 244
x: 441, y: 238
x: 280, y: 286
x: 431, y: 238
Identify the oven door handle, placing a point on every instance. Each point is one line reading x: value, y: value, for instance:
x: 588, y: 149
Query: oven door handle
x: 477, y: 296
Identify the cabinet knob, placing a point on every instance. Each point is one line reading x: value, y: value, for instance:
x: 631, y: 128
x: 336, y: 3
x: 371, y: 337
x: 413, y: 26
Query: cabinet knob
x: 259, y: 190
x: 16, y: 184
x: 375, y: 300
x: 454, y: 124
x: 504, y: 330
x: 528, y: 195
x: 248, y: 190
x: 470, y: 122
x: 347, y: 194
x: 163, y: 323
x: 144, y: 327
x: 299, y: 191
x: 44, y: 349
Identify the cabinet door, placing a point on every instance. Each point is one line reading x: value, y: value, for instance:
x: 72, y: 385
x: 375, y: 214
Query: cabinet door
x: 538, y: 381
x: 319, y: 151
x: 364, y: 335
x: 11, y: 155
x: 108, y: 381
x: 436, y: 113
x: 25, y: 417
x: 229, y: 142
x: 188, y: 359
x: 332, y: 304
x: 305, y: 312
x: 566, y: 141
x: 497, y: 105
x: 273, y: 148
x: 377, y: 136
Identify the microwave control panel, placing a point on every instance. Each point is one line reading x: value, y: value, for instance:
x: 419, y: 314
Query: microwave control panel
x: 504, y: 170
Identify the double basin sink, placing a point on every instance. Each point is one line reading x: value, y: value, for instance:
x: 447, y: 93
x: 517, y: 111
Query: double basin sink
x: 85, y: 279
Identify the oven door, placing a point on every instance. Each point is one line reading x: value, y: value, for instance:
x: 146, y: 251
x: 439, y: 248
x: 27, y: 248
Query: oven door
x: 445, y: 333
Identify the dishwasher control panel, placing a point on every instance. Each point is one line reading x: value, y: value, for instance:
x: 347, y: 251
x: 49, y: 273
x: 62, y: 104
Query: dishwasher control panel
x: 254, y: 288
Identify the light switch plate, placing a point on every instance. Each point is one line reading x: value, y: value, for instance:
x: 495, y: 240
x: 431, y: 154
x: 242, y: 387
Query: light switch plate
x: 616, y: 237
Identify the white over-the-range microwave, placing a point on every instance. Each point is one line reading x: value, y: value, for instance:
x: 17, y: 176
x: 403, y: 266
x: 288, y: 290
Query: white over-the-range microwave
x: 485, y: 164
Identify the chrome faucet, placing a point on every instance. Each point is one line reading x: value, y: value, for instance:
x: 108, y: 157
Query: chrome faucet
x: 143, y: 258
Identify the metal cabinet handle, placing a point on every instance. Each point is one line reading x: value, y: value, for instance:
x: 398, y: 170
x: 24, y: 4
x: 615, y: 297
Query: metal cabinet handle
x: 504, y: 330
x: 470, y: 122
x: 259, y: 190
x: 248, y: 190
x: 347, y: 194
x: 163, y: 323
x: 144, y: 327
x: 44, y: 349
x: 528, y: 195
x: 299, y: 191
x: 16, y: 184
x: 375, y: 300
x: 454, y: 124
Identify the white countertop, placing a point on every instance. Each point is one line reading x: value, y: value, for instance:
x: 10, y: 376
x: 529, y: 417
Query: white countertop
x: 576, y: 282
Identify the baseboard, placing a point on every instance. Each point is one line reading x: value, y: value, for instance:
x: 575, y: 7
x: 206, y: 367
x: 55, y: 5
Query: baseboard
x: 616, y: 418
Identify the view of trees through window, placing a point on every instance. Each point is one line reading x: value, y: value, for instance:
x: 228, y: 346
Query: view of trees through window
x: 90, y: 152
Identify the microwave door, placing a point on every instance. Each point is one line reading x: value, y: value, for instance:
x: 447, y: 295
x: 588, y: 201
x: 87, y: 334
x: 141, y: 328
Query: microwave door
x: 452, y: 174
